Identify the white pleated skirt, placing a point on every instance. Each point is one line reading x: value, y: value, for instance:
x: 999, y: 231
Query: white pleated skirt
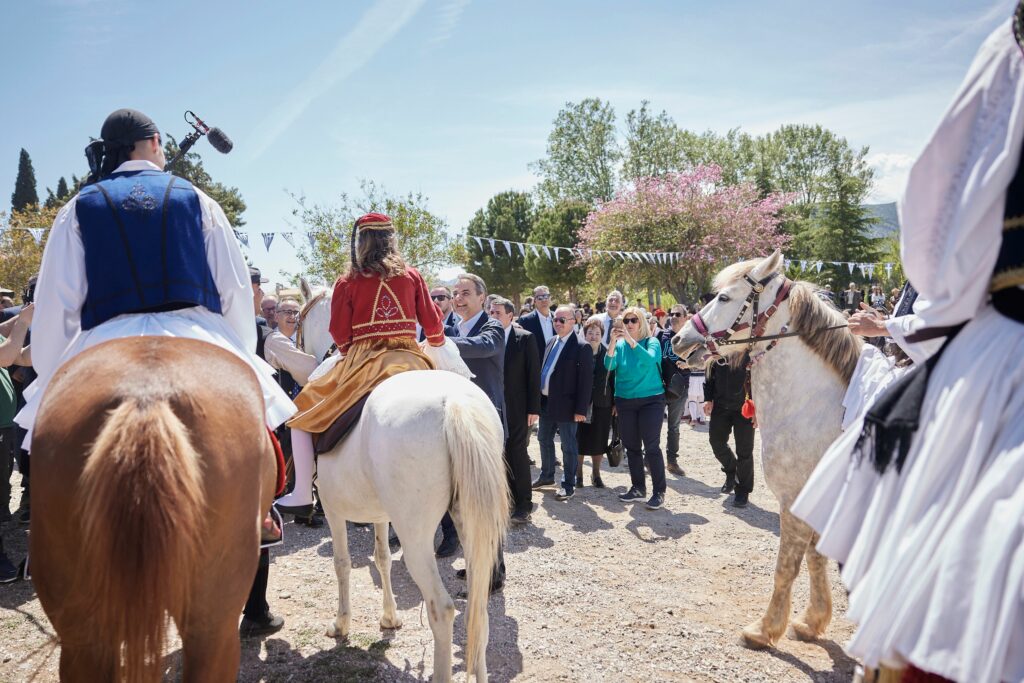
x: 190, y: 323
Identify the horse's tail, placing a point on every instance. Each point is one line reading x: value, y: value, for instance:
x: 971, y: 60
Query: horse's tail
x: 141, y: 517
x: 480, y: 492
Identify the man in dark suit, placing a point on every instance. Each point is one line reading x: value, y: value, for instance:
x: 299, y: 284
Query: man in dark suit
x: 538, y: 321
x: 442, y: 296
x: 566, y: 380
x: 481, y: 342
x: 522, y: 405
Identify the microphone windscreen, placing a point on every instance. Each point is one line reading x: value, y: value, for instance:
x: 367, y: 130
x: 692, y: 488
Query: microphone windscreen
x: 221, y: 142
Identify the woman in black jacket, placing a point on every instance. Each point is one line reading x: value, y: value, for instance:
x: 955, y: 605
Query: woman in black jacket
x: 592, y: 436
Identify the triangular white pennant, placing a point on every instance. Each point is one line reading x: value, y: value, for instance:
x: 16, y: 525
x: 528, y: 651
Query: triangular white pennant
x: 850, y: 266
x: 871, y: 270
x: 888, y: 270
x: 37, y: 234
x: 490, y: 241
x: 243, y: 237
x: 289, y: 237
x: 556, y: 249
x: 535, y: 250
x: 786, y: 263
x: 863, y: 269
x: 522, y: 249
x: 479, y: 242
x: 508, y: 247
x: 268, y: 237
x: 803, y: 265
x: 818, y: 265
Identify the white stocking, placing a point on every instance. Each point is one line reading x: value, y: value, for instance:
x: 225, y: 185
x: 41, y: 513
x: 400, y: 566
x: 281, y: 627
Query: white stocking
x: 302, y: 457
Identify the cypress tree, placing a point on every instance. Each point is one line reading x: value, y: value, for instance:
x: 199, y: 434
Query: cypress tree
x: 25, y: 185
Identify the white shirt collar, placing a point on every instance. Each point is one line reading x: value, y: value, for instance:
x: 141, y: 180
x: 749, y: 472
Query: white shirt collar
x: 137, y: 165
x: 466, y: 325
x: 508, y: 331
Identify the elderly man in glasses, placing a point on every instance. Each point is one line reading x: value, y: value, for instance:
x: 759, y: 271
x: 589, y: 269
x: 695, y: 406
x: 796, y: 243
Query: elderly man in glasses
x: 566, y: 380
x: 676, y: 376
x: 539, y: 321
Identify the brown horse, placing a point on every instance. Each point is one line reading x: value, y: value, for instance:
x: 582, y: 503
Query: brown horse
x: 151, y: 468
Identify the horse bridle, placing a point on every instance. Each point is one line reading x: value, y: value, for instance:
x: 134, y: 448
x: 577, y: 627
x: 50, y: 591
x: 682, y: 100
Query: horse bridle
x: 758, y: 321
x: 299, y: 341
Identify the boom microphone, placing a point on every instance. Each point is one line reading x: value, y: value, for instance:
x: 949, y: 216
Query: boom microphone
x: 220, y: 142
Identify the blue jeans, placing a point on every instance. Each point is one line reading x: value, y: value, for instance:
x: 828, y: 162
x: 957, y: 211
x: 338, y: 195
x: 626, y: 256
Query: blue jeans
x: 570, y: 451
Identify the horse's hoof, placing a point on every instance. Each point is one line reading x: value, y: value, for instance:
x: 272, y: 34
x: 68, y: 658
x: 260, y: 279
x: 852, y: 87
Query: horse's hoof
x: 755, y: 638
x: 805, y: 632
x: 336, y: 631
x: 394, y: 622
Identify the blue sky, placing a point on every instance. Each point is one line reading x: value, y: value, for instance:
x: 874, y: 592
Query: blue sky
x: 454, y: 98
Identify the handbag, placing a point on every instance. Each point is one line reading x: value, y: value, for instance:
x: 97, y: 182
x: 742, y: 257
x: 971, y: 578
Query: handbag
x: 614, y: 451
x: 678, y: 386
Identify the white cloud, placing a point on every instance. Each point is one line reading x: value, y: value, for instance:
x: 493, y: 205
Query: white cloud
x: 373, y: 31
x: 890, y: 175
x: 448, y: 19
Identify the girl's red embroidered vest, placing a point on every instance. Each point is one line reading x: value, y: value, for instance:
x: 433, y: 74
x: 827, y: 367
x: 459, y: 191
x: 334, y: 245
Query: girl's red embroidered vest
x: 366, y: 307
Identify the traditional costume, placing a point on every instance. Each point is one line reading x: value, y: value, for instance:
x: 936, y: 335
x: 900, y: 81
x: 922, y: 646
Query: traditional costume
x: 929, y: 506
x: 373, y: 322
x: 141, y: 253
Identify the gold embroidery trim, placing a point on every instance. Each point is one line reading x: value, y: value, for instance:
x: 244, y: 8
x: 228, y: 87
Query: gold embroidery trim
x: 1014, y: 223
x: 385, y: 322
x: 1012, y: 277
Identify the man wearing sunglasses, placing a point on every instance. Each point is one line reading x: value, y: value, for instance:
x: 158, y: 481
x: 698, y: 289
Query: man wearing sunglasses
x: 566, y: 380
x: 442, y: 296
x: 539, y: 321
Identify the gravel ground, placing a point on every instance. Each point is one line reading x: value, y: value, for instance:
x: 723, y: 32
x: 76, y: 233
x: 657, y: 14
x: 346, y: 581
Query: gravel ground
x: 597, y: 591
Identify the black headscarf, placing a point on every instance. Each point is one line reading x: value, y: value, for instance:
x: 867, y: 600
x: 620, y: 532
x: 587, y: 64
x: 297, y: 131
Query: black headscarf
x: 120, y: 132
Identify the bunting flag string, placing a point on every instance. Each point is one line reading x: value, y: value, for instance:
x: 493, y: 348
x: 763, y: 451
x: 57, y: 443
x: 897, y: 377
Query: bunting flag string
x: 503, y: 248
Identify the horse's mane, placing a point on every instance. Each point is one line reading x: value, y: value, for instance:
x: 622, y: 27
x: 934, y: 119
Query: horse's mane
x: 809, y: 315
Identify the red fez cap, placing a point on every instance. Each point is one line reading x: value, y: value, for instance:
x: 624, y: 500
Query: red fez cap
x: 658, y: 312
x: 374, y: 221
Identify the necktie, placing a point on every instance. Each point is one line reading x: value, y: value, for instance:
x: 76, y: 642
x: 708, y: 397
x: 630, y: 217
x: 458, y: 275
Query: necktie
x: 608, y: 332
x: 549, y: 362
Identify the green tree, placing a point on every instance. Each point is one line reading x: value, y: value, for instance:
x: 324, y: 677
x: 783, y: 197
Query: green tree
x: 20, y: 256
x: 582, y: 154
x: 190, y: 167
x: 25, y: 194
x: 559, y: 226
x: 59, y: 198
x: 507, y: 216
x: 733, y: 153
x: 422, y: 237
x: 653, y: 145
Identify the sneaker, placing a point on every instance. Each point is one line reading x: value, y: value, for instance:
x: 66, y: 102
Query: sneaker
x: 730, y: 482
x: 540, y: 483
x: 674, y: 468
x: 741, y: 499
x: 632, y: 495
x: 561, y: 494
x: 656, y: 501
x: 252, y: 628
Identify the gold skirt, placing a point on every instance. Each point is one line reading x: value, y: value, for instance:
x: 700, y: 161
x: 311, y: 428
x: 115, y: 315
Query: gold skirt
x: 367, y: 364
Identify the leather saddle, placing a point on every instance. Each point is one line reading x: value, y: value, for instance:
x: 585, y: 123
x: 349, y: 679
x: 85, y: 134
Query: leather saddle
x: 326, y: 441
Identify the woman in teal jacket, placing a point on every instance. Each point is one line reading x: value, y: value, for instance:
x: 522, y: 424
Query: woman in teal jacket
x: 635, y: 357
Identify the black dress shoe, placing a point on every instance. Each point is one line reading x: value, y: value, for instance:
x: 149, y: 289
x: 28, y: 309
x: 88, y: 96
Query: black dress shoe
x: 741, y: 499
x: 579, y: 481
x: 314, y: 521
x: 539, y: 483
x: 730, y: 482
x: 252, y: 628
x: 520, y: 518
x: 598, y: 483
x: 449, y: 546
x: 393, y: 542
x: 8, y: 572
x: 496, y: 585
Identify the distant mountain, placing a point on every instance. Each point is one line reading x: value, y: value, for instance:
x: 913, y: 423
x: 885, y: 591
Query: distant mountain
x: 888, y: 219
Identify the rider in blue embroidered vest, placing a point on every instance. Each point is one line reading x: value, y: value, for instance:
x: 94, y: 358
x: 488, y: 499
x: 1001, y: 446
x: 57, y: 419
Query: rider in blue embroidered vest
x: 144, y: 249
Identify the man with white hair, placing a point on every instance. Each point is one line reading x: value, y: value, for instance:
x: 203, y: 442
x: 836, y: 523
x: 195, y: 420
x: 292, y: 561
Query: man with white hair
x: 613, y: 306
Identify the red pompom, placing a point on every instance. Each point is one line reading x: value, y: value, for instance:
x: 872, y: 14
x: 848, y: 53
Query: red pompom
x: 748, y: 409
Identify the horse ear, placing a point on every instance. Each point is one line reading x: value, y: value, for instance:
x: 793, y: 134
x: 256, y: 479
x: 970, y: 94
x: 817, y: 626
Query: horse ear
x: 769, y: 265
x: 307, y: 292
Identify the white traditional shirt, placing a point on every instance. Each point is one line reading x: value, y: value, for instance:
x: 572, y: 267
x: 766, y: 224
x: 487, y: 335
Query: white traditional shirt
x: 57, y: 333
x: 282, y: 354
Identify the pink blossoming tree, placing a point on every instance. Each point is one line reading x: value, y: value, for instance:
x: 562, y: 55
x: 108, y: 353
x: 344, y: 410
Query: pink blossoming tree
x: 714, y: 224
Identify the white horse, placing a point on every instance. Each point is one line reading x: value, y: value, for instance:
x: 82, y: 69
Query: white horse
x: 427, y: 442
x: 798, y: 386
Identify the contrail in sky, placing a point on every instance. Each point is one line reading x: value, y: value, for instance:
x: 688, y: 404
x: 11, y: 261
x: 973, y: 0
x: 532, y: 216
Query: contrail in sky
x: 374, y: 30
